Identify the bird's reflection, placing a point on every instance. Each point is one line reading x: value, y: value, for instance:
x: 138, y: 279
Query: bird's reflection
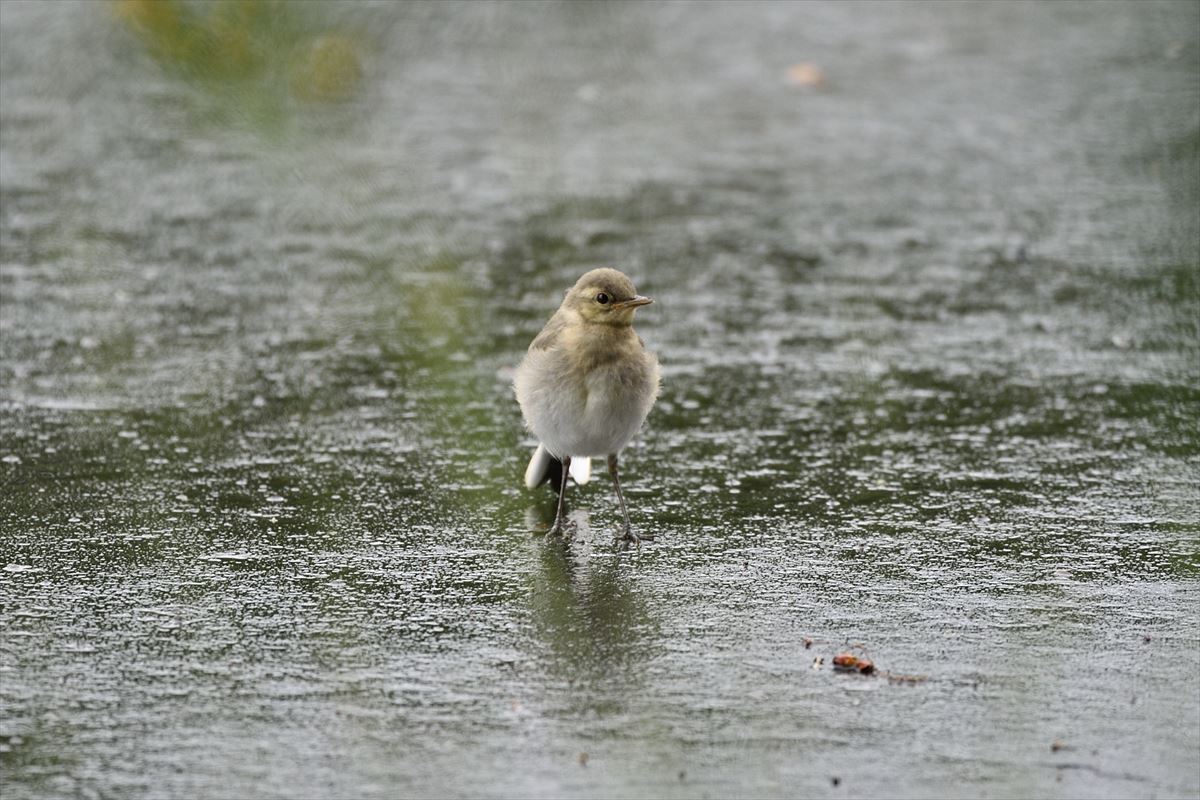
x: 588, y: 609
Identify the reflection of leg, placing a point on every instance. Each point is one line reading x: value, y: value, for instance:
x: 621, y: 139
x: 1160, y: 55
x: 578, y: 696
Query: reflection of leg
x: 629, y: 536
x: 557, y: 528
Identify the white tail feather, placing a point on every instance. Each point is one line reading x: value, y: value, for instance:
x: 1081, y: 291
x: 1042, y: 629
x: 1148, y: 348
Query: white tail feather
x: 536, y: 470
x: 581, y: 469
x: 539, y: 465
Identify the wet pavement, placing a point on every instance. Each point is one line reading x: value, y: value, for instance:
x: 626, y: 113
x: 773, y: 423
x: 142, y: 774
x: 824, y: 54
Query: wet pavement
x: 929, y: 316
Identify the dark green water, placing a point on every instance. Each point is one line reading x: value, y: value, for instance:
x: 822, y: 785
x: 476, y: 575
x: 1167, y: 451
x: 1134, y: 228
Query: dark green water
x: 931, y: 346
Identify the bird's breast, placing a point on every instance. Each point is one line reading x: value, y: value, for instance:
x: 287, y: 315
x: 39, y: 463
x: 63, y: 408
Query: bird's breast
x: 589, y: 395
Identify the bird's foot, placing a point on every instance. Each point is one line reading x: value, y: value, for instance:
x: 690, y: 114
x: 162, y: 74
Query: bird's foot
x: 560, y: 528
x: 629, y: 537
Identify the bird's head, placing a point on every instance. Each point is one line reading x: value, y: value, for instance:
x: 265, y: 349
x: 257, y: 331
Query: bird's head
x: 605, y: 296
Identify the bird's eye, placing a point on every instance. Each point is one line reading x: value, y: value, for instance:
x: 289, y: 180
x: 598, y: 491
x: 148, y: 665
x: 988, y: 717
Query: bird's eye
x: 602, y: 299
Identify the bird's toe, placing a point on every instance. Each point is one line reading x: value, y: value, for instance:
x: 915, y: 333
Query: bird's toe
x: 629, y: 537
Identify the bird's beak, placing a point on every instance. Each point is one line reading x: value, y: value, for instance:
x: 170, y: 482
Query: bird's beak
x: 633, y: 302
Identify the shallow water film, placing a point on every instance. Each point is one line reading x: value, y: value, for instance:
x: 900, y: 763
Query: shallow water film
x: 928, y: 309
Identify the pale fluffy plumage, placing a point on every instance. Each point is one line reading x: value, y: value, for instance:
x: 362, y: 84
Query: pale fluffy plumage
x: 587, y: 382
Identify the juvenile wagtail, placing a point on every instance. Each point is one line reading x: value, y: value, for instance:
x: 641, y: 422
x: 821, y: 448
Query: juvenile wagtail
x: 586, y: 385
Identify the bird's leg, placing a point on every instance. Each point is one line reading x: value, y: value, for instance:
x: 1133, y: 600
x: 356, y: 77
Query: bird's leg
x: 557, y: 527
x: 629, y: 536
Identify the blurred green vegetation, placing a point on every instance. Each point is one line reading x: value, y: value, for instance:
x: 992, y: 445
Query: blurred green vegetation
x: 260, y: 56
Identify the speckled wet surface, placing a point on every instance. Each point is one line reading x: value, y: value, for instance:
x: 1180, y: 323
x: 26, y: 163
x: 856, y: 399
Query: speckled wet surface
x: 931, y: 345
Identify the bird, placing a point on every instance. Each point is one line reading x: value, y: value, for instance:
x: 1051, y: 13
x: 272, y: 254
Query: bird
x: 586, y: 385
